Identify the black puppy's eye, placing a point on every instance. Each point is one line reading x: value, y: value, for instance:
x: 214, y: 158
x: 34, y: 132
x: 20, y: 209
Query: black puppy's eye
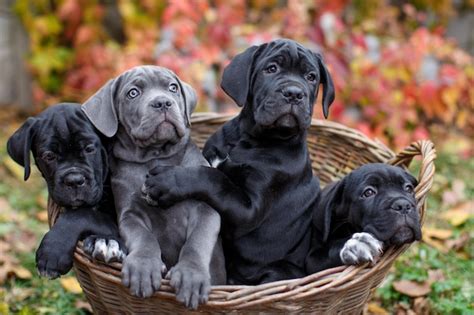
x: 368, y: 193
x: 173, y: 88
x: 272, y: 68
x: 133, y: 93
x: 48, y: 156
x: 90, y: 148
x: 409, y: 188
x: 311, y: 77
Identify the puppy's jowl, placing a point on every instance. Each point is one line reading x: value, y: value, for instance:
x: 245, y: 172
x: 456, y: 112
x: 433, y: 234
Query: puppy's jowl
x: 73, y: 162
x: 371, y: 208
x: 263, y: 186
x: 145, y: 112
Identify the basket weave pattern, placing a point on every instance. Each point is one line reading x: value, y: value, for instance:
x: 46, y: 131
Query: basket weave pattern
x: 335, y: 151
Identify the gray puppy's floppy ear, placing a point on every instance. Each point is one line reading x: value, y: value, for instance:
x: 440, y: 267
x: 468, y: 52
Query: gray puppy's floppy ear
x: 19, y: 145
x: 329, y: 92
x: 330, y: 200
x: 100, y: 109
x: 190, y: 100
x: 236, y: 77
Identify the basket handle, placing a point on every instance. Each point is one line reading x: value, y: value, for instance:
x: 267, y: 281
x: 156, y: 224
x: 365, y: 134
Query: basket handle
x: 426, y: 149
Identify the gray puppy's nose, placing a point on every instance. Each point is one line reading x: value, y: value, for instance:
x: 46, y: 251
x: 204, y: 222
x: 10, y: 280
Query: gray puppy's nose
x: 292, y: 92
x: 402, y: 205
x: 74, y: 179
x: 161, y: 103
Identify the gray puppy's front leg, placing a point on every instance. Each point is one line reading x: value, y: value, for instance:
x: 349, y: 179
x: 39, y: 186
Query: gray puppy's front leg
x: 142, y: 267
x: 191, y: 277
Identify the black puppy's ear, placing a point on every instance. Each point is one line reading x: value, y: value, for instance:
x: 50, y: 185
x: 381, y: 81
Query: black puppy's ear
x: 19, y: 145
x: 105, y: 164
x: 190, y: 100
x: 100, y: 109
x: 329, y: 200
x: 329, y: 92
x: 236, y: 77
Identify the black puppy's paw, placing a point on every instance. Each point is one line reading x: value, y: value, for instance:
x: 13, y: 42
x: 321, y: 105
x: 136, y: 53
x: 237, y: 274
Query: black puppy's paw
x: 361, y: 248
x: 142, y: 273
x: 104, y: 248
x: 161, y: 186
x: 192, y: 284
x: 53, y: 258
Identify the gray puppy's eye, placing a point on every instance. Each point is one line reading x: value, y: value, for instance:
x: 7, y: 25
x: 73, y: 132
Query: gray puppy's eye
x: 408, y: 188
x: 132, y: 93
x: 173, y: 88
x: 271, y: 68
x: 90, y: 148
x: 368, y: 192
x: 48, y: 156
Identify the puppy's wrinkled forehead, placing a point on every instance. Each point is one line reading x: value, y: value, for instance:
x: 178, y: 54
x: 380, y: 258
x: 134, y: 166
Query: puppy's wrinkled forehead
x: 66, y: 127
x: 288, y: 53
x: 378, y: 175
x: 147, y: 76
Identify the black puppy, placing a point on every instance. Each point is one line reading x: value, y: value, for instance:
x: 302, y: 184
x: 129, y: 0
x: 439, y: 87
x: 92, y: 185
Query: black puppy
x: 73, y: 162
x: 263, y: 186
x: 372, y: 207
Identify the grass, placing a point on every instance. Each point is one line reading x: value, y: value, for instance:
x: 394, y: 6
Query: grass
x: 454, y: 294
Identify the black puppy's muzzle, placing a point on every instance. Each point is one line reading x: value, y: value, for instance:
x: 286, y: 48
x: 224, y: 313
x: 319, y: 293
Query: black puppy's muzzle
x: 293, y: 94
x: 402, y: 205
x: 74, y: 179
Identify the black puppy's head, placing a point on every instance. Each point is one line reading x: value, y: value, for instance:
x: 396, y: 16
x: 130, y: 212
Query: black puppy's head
x: 375, y: 198
x: 277, y: 83
x: 67, y: 151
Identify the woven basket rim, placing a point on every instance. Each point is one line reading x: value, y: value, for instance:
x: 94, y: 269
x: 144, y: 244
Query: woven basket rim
x: 330, y: 281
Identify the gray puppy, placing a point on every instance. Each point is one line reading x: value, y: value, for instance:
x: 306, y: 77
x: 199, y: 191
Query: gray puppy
x: 146, y: 113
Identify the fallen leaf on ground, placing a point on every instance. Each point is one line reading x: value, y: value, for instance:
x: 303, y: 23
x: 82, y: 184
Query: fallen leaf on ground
x: 412, y: 288
x: 42, y: 216
x: 421, y: 306
x: 441, y: 234
x: 435, y: 275
x: 21, y: 272
x: 434, y: 243
x: 375, y: 309
x: 459, y: 214
x: 71, y: 284
x: 458, y: 243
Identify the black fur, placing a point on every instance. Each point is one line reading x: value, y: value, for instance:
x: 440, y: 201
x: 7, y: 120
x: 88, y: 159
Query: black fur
x: 70, y: 156
x: 264, y: 189
x: 389, y: 215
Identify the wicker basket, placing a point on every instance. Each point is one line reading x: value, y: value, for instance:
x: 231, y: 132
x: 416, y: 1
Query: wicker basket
x: 335, y: 150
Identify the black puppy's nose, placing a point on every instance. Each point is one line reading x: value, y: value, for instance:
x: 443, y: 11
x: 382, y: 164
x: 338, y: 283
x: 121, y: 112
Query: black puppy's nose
x: 402, y: 205
x: 161, y: 103
x: 293, y: 92
x: 74, y: 180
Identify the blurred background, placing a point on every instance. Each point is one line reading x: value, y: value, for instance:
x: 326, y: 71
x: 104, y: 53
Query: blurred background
x: 403, y: 70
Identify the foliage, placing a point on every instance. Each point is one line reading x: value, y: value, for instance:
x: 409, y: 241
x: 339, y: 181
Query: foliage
x: 395, y: 73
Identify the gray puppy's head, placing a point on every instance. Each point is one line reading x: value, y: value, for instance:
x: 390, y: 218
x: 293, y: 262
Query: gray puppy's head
x: 151, y: 103
x: 376, y: 198
x: 277, y: 84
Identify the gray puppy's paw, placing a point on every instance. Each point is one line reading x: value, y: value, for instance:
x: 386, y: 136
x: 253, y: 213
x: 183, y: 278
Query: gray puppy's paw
x: 142, y: 273
x: 191, y: 283
x: 361, y: 248
x: 104, y: 249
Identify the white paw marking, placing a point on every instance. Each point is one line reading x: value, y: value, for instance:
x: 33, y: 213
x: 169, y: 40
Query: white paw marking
x: 108, y: 252
x: 218, y: 161
x: 361, y: 248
